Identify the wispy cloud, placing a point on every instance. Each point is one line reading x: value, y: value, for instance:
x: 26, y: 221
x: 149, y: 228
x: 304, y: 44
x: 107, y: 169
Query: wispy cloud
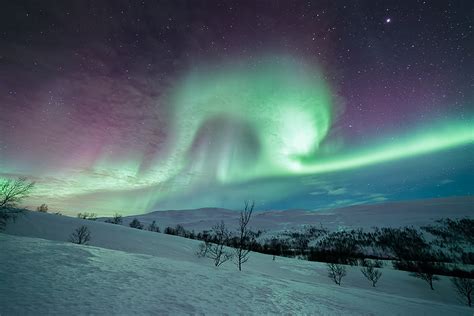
x: 446, y: 181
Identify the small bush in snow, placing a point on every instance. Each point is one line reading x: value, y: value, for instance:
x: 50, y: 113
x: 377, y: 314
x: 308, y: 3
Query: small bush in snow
x: 245, y: 237
x: 153, y: 227
x: 336, y: 272
x: 43, y: 208
x: 216, y: 249
x: 202, y: 249
x: 80, y: 236
x: 88, y: 216
x: 370, y: 272
x: 464, y: 288
x: 116, y: 219
x: 425, y: 271
x: 136, y: 224
x: 12, y: 192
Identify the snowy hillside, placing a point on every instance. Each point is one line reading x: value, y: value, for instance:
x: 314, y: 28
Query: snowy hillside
x: 393, y: 214
x: 129, y: 271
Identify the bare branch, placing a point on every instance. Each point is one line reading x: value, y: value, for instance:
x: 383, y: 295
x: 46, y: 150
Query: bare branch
x: 13, y: 191
x: 80, y: 236
x: 336, y: 272
x: 465, y: 288
x: 245, y: 236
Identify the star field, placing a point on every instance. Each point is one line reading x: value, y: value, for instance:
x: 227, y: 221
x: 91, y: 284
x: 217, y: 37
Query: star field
x: 136, y: 105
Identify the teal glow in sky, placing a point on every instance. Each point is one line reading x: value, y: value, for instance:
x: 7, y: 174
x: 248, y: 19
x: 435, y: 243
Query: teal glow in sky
x: 173, y: 107
x: 237, y: 123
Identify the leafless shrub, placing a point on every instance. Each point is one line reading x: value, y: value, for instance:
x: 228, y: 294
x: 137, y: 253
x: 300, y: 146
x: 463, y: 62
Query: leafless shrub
x: 12, y: 192
x: 43, y: 208
x: 216, y: 250
x: 88, y: 216
x: 336, y: 272
x: 203, y: 249
x: 136, y: 224
x: 116, y: 219
x: 464, y: 288
x: 426, y: 272
x: 153, y: 227
x: 244, y: 235
x: 370, y: 272
x: 80, y: 236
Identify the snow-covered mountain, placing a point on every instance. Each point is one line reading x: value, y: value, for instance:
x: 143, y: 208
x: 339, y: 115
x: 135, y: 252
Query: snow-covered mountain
x: 393, y: 214
x: 128, y: 271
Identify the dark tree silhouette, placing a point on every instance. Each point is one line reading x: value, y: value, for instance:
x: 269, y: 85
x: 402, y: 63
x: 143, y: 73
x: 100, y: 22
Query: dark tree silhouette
x: 216, y: 250
x: 426, y: 272
x: 336, y: 272
x: 12, y: 192
x: 88, y: 216
x: 80, y: 236
x: 153, y: 227
x: 136, y: 224
x: 43, y: 208
x: 116, y: 219
x: 203, y: 249
x: 455, y: 235
x: 464, y: 287
x: 245, y: 236
x: 275, y: 247
x: 370, y: 272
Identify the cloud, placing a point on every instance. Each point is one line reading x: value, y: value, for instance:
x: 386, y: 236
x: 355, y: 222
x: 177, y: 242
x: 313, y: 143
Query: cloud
x: 322, y: 187
x: 446, y: 181
x: 337, y: 191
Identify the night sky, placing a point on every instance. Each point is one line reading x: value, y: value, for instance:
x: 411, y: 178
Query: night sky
x: 132, y: 106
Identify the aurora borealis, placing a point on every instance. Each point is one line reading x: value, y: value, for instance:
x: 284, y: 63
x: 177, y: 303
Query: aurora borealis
x: 131, y: 107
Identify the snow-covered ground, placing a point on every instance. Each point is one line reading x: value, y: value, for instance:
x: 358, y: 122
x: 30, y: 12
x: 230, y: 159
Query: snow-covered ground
x: 129, y: 271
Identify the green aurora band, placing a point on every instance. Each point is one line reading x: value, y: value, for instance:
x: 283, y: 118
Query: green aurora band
x: 289, y: 109
x: 263, y: 116
x: 447, y: 136
x: 239, y: 122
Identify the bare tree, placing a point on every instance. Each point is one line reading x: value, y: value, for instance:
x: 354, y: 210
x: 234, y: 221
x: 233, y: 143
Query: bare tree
x: 80, y: 236
x: 43, y: 208
x: 116, y: 219
x: 464, y: 287
x: 245, y: 236
x: 216, y: 250
x: 370, y: 272
x: 336, y: 272
x: 12, y: 192
x: 426, y: 272
x: 136, y: 224
x: 203, y: 249
x: 88, y: 216
x: 153, y: 227
x: 276, y: 247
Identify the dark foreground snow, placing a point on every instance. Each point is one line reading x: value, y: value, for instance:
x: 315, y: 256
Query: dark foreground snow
x: 128, y: 271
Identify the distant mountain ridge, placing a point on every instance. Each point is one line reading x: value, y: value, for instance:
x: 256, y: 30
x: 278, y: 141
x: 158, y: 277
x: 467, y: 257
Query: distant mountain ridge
x: 390, y: 214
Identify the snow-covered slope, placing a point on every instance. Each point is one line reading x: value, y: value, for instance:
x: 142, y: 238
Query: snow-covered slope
x: 393, y: 214
x: 128, y: 271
